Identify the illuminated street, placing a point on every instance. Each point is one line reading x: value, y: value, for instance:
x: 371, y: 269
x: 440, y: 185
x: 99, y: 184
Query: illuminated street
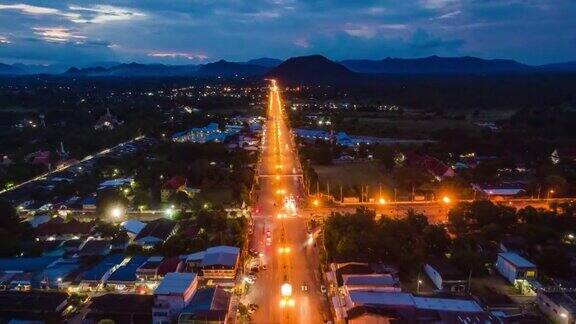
x: 280, y: 233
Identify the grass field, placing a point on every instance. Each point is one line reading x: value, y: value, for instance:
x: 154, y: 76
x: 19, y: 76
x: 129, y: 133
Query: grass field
x: 351, y: 174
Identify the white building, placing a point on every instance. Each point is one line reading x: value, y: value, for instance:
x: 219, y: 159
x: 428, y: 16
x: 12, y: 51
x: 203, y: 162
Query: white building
x: 517, y: 270
x: 445, y: 276
x: 559, y: 306
x: 372, y: 282
x: 172, y: 295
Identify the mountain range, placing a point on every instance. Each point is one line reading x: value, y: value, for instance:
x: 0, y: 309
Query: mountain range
x: 303, y: 69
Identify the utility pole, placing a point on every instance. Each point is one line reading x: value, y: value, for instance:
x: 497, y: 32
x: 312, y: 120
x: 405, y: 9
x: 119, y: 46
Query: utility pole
x: 341, y: 196
x: 328, y: 188
x: 317, y: 188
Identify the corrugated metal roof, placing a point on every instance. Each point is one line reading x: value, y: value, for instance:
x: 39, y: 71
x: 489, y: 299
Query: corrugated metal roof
x: 175, y: 283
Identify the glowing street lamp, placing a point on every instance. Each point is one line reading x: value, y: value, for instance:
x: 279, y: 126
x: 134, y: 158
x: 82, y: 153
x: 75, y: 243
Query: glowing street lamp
x: 316, y: 202
x: 446, y: 200
x: 382, y: 201
x: 116, y: 212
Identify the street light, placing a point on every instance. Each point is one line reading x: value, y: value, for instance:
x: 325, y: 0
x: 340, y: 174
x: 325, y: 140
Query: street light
x: 116, y: 212
x: 316, y: 202
x: 446, y: 200
x: 382, y: 201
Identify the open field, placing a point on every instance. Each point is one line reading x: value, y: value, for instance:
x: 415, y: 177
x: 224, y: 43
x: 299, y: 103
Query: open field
x: 351, y: 174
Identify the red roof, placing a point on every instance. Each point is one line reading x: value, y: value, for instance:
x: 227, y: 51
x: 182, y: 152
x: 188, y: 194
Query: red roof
x: 432, y: 164
x: 72, y: 227
x: 169, y: 265
x: 174, y: 183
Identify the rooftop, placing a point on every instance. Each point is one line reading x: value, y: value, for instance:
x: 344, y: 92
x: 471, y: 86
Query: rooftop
x: 380, y: 280
x: 159, y: 228
x: 517, y: 260
x: 127, y: 272
x: 175, y: 283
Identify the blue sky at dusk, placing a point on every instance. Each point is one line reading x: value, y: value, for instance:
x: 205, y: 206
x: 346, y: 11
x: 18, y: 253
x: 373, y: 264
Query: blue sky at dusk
x: 199, y: 31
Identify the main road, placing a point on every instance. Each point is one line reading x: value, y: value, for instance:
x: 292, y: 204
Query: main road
x: 288, y: 288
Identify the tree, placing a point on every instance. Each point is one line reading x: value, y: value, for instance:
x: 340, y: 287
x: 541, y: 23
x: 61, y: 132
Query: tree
x: 554, y: 262
x: 13, y: 232
x: 436, y: 239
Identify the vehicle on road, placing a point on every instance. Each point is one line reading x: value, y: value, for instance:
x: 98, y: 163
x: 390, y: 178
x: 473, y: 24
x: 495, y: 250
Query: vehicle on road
x: 264, y: 267
x: 304, y: 286
x: 323, y: 289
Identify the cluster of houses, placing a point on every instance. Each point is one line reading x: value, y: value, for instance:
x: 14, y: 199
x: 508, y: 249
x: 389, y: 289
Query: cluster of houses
x: 372, y: 293
x: 76, y: 258
x: 239, y: 132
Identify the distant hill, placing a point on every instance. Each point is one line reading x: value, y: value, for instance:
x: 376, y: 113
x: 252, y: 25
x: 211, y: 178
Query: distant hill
x: 312, y: 69
x: 559, y: 67
x: 6, y: 69
x: 436, y: 65
x: 265, y: 61
x: 231, y: 69
x: 135, y: 70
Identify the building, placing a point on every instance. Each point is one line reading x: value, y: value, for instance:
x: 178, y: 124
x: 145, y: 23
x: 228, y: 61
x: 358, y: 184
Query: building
x: 124, y: 278
x: 118, y: 183
x: 172, y: 295
x: 558, y: 305
x: 155, y: 232
x: 435, y: 167
x: 133, y: 227
x: 157, y: 267
x: 373, y: 282
x: 208, y: 133
x: 120, y: 308
x: 220, y: 262
x: 172, y: 186
x: 517, y: 270
x: 508, y: 189
x: 32, y: 306
x: 445, y: 276
x: 368, y: 307
x: 57, y: 230
x: 209, y: 305
x: 97, y: 275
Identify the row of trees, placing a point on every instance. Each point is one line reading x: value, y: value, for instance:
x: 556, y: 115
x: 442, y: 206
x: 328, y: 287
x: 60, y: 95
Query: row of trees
x: 475, y: 230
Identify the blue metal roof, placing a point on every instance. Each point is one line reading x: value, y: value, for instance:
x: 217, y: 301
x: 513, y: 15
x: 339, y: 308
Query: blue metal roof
x: 127, y: 272
x: 99, y: 270
x: 26, y: 264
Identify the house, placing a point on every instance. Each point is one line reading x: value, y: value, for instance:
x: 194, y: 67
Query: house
x: 120, y: 308
x: 155, y: 232
x: 435, y: 167
x: 172, y: 295
x: 157, y: 267
x: 373, y: 282
x: 171, y: 186
x: 220, y: 262
x: 55, y: 230
x: 95, y: 247
x: 209, y: 305
x: 115, y: 183
x: 558, y: 305
x: 517, y: 270
x: 88, y: 203
x: 99, y: 274
x: 124, y: 278
x: 132, y: 227
x: 32, y: 306
x: 445, y: 276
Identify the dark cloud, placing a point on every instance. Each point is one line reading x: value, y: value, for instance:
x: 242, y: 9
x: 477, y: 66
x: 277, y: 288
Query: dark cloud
x: 185, y: 31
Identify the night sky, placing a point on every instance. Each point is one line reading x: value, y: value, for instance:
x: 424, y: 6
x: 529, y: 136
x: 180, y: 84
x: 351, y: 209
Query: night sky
x: 200, y: 31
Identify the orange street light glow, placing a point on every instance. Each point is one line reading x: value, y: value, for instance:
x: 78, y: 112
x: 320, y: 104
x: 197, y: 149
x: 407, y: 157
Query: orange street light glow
x: 316, y: 202
x: 382, y: 201
x: 446, y: 200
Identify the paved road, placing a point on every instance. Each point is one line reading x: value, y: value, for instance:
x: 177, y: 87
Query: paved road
x: 300, y: 265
